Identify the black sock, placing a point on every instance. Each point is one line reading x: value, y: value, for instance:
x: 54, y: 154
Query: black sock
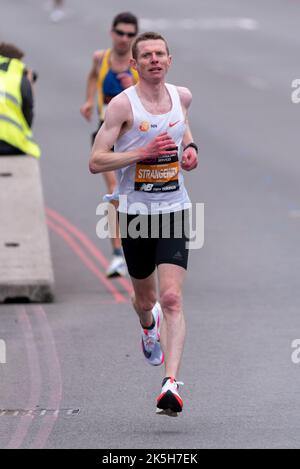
x: 117, y: 252
x: 166, y: 379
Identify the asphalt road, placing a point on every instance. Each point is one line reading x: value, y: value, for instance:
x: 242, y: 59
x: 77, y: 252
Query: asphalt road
x: 79, y: 358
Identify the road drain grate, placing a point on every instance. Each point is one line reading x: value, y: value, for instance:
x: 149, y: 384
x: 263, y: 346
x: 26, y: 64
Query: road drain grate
x: 38, y: 412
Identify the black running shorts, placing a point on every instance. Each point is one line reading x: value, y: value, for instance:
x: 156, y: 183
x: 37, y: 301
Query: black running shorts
x: 93, y: 135
x: 150, y: 240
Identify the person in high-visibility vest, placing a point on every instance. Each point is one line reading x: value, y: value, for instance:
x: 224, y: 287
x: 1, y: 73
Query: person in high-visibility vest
x: 110, y: 75
x: 16, y: 104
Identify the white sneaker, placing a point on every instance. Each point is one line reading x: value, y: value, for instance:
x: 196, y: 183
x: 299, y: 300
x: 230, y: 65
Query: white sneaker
x: 169, y: 402
x: 57, y: 15
x: 117, y: 267
x: 151, y: 340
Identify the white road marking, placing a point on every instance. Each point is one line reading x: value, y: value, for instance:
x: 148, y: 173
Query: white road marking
x: 2, y: 351
x: 204, y: 24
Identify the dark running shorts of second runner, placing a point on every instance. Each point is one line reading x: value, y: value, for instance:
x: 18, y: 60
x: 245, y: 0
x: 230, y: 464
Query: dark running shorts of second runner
x: 93, y: 135
x: 150, y: 240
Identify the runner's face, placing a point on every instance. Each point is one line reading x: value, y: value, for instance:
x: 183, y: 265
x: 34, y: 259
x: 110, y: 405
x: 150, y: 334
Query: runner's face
x: 122, y: 36
x: 153, y: 61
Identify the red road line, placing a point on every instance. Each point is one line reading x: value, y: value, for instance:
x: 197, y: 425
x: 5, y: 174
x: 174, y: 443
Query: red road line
x: 90, y: 246
x: 119, y: 298
x: 55, y: 379
x: 35, y: 380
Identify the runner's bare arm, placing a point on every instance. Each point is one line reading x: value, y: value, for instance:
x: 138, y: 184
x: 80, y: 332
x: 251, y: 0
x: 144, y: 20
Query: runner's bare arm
x: 117, y: 115
x: 187, y: 137
x: 189, y: 159
x: 126, y: 79
x: 186, y: 99
x: 91, y: 87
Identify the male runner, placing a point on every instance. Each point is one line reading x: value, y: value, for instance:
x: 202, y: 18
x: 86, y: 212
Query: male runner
x: 110, y: 75
x: 147, y: 124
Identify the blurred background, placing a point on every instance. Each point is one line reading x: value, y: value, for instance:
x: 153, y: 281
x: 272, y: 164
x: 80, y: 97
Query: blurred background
x: 239, y: 58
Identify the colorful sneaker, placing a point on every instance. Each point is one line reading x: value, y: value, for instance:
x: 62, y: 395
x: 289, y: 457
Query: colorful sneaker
x: 151, y: 340
x: 169, y: 402
x: 117, y: 267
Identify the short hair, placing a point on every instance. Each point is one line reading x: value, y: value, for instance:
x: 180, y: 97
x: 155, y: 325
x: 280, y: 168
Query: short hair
x: 11, y: 51
x: 147, y: 37
x: 125, y: 17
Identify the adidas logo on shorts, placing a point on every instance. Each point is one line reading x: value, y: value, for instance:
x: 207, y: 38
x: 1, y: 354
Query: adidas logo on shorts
x: 178, y: 255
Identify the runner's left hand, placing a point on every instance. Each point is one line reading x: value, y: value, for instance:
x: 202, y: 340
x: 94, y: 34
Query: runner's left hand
x: 189, y: 159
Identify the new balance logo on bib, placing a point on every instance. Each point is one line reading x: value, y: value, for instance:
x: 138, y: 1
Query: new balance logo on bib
x: 158, y: 175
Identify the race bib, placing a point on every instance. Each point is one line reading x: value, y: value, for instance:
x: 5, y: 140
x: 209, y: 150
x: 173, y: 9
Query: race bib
x: 157, y: 175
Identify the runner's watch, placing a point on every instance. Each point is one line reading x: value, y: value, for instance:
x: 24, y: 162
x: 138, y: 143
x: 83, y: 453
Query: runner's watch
x: 193, y: 145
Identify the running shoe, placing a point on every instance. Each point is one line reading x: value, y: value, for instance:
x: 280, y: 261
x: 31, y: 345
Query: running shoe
x: 169, y: 402
x: 151, y: 340
x: 117, y: 267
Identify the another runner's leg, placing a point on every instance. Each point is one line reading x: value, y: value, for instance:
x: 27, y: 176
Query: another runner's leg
x: 117, y: 266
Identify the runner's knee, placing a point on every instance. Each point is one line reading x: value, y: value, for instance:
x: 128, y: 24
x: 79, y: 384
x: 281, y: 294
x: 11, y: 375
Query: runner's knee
x: 170, y: 301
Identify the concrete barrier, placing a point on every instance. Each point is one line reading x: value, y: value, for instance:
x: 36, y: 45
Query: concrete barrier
x: 25, y: 262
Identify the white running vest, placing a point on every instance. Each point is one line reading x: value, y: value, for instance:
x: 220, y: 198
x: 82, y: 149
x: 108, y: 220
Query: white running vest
x: 152, y: 186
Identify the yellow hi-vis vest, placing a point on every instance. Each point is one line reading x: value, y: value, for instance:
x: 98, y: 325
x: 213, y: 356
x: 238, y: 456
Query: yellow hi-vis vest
x: 104, y: 68
x: 14, y: 128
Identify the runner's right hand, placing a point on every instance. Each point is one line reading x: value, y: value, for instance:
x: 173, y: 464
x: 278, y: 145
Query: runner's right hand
x: 161, y: 145
x: 87, y: 110
x: 126, y: 79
